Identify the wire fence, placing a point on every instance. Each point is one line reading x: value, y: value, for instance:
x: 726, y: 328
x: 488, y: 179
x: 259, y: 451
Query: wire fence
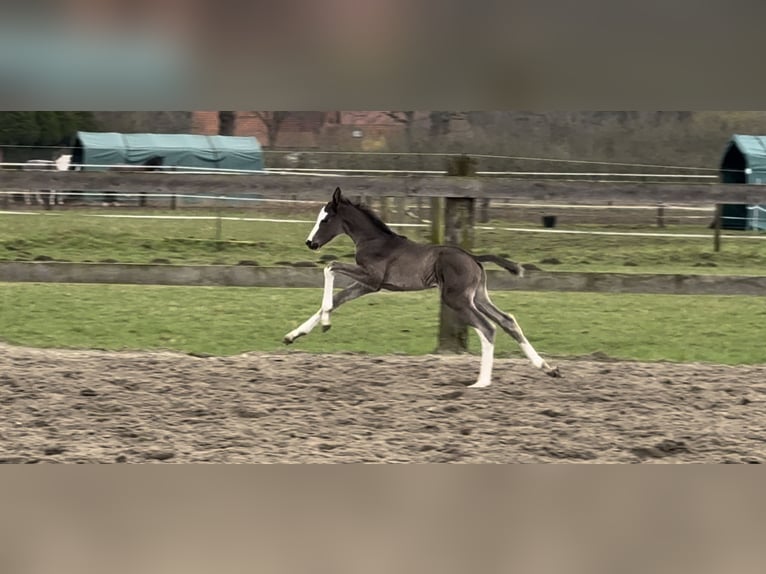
x: 595, y: 220
x: 392, y: 162
x: 350, y: 172
x: 637, y: 221
x: 586, y: 213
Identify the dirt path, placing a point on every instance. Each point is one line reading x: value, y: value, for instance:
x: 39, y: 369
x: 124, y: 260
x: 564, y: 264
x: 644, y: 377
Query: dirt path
x: 94, y: 406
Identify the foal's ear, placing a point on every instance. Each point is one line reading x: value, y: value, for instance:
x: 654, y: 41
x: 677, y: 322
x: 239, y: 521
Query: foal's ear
x: 336, y: 196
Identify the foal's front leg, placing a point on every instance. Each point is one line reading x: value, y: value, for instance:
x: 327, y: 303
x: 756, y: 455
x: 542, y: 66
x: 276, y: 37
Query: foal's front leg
x: 365, y: 283
x: 332, y: 301
x: 322, y: 315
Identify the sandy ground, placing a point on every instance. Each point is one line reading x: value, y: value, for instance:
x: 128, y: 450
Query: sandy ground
x: 95, y: 406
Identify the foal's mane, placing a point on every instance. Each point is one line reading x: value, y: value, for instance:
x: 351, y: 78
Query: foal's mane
x: 372, y: 216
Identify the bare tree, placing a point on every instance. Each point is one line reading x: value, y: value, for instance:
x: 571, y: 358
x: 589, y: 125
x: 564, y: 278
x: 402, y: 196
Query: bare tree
x: 273, y: 122
x: 227, y: 122
x: 440, y: 122
x: 152, y: 122
x: 406, y: 119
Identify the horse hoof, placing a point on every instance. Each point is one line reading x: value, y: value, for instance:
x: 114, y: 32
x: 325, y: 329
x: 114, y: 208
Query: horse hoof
x: 287, y: 340
x: 326, y: 328
x: 555, y: 373
x: 478, y: 385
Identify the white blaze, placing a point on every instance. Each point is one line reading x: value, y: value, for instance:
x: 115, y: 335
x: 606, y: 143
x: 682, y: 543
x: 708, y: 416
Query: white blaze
x: 320, y: 218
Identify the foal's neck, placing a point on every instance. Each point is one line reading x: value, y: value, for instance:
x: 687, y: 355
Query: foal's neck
x: 360, y: 226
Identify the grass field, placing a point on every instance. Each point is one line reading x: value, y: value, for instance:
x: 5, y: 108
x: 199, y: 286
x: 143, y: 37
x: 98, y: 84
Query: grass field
x: 72, y: 235
x: 224, y: 321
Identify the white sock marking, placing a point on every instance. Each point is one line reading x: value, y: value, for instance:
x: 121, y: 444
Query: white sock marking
x: 305, y: 328
x: 532, y: 355
x: 323, y: 314
x: 487, y: 358
x: 329, y: 278
x: 320, y: 218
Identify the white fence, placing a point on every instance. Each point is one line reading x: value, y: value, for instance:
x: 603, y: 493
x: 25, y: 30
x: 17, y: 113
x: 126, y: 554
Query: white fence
x: 63, y: 165
x: 424, y: 223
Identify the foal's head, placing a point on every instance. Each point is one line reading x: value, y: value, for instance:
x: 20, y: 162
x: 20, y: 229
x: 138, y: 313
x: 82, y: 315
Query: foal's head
x: 329, y: 224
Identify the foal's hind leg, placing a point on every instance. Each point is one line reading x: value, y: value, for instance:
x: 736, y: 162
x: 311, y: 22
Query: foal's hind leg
x: 511, y: 326
x: 468, y: 313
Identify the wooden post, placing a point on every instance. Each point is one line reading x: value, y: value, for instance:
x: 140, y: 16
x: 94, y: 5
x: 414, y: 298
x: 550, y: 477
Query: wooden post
x: 717, y: 227
x: 660, y: 215
x: 484, y: 211
x: 173, y: 202
x: 218, y: 226
x: 459, y: 216
x: 385, y: 208
x: 46, y: 197
x: 437, y: 220
x: 401, y: 209
x: 458, y: 230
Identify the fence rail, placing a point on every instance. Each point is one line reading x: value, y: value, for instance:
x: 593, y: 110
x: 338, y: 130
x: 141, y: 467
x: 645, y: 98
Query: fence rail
x: 423, y: 186
x: 425, y: 224
x: 316, y: 171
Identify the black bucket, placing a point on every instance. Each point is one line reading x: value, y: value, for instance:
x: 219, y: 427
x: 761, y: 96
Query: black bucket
x: 549, y: 221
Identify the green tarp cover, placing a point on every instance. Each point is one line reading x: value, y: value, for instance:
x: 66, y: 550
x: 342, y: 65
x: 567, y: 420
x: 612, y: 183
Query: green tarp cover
x: 745, y: 160
x: 182, y: 150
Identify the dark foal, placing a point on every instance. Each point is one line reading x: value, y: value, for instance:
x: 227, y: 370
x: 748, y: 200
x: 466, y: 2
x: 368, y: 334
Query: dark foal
x: 386, y: 260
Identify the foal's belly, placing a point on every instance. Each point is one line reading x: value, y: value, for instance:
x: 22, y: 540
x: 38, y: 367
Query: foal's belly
x: 411, y: 283
x: 413, y: 287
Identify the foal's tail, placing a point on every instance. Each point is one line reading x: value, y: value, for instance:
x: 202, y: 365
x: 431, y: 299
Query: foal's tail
x: 511, y: 266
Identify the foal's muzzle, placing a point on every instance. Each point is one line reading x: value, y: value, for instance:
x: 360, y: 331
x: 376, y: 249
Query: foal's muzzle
x: 313, y: 245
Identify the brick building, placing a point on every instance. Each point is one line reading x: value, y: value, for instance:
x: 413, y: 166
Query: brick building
x: 368, y: 131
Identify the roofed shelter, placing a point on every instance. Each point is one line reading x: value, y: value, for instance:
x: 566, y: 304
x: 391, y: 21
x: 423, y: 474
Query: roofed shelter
x: 744, y: 160
x: 179, y: 150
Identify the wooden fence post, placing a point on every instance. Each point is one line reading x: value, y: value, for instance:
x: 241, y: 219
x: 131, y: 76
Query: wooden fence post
x: 385, y: 208
x: 219, y: 225
x: 459, y: 216
x: 401, y: 209
x: 660, y: 214
x: 484, y: 211
x: 458, y: 230
x: 437, y: 220
x: 717, y: 227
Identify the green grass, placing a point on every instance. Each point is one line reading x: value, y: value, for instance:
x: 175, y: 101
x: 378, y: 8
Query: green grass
x: 613, y: 254
x: 224, y: 321
x: 68, y: 235
x: 72, y: 237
